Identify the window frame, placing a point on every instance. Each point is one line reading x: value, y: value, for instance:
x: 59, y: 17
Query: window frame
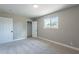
x: 52, y: 20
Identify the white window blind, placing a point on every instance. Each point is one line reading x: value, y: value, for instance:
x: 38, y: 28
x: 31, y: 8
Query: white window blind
x: 51, y: 22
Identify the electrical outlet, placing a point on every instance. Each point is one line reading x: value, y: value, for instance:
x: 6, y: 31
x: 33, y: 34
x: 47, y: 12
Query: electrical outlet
x: 62, y: 30
x: 71, y: 43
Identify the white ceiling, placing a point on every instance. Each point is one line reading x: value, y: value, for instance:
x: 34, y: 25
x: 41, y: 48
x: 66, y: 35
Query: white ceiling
x: 29, y: 11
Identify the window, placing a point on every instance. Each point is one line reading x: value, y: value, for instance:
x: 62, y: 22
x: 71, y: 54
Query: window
x: 47, y: 23
x: 54, y: 22
x: 51, y: 22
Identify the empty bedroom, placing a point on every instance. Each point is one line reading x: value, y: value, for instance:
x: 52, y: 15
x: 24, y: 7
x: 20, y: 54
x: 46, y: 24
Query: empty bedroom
x: 39, y: 28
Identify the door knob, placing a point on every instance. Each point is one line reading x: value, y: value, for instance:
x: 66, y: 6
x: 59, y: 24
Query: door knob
x: 11, y: 31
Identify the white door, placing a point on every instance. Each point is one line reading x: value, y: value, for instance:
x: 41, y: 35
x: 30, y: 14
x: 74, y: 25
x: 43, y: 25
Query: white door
x: 34, y: 29
x: 6, y: 30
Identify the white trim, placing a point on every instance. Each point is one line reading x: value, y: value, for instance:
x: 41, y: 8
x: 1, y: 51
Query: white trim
x: 58, y: 43
x: 14, y: 40
x: 19, y: 39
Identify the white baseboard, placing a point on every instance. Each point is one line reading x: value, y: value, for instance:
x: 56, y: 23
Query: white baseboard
x: 58, y: 43
x: 19, y: 39
x: 14, y: 40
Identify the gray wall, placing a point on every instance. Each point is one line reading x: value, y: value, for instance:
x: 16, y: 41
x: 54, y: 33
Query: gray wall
x: 19, y: 25
x: 68, y: 31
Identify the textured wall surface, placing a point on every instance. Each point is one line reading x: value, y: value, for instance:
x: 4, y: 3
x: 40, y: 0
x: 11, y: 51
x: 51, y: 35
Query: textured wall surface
x: 19, y: 25
x: 68, y: 31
